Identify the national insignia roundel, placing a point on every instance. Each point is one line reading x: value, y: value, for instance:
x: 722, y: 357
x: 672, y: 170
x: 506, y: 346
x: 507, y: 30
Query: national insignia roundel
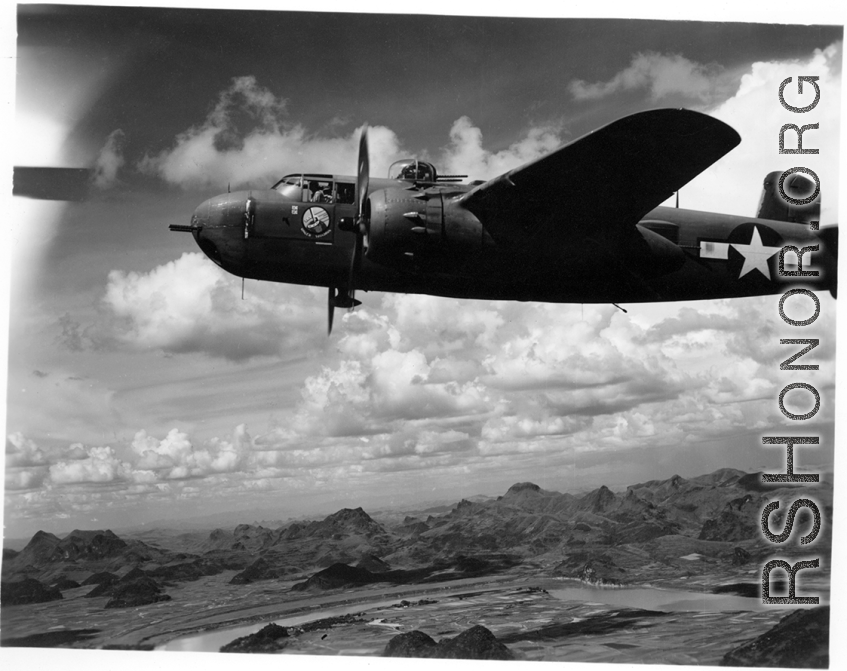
x: 753, y: 252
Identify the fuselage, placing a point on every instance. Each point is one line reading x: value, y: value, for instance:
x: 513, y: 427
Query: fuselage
x: 422, y: 240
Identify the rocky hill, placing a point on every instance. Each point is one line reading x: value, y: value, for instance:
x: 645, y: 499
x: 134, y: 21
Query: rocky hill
x: 28, y: 590
x: 345, y: 522
x: 85, y: 557
x: 649, y: 530
x: 603, y: 536
x: 600, y: 536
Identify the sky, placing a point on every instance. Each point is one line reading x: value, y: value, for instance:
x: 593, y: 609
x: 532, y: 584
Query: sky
x: 141, y: 387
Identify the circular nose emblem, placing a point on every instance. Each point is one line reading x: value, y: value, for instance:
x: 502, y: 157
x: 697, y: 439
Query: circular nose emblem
x: 316, y: 222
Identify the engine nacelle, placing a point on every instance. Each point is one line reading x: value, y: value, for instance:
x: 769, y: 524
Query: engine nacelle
x: 654, y: 254
x: 422, y: 229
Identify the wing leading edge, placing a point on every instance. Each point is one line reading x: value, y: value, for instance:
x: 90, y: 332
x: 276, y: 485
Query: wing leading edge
x: 600, y: 185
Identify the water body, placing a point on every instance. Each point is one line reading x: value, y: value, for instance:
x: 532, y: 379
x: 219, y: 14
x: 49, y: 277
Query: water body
x: 650, y: 598
x: 213, y: 641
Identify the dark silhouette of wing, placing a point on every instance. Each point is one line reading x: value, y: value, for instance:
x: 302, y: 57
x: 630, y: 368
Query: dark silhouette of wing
x: 602, y: 184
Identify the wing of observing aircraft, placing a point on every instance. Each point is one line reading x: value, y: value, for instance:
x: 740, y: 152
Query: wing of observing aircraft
x: 69, y: 184
x: 602, y: 184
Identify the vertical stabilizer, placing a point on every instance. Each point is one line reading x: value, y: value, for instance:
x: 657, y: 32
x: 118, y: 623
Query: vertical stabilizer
x: 773, y: 206
x: 829, y: 238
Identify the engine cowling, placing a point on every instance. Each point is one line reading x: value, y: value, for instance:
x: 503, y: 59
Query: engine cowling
x: 421, y: 229
x: 653, y: 254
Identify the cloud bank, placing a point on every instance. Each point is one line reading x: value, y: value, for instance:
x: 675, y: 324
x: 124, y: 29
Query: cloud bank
x: 462, y: 389
x: 661, y: 75
x: 247, y: 139
x: 738, y: 177
x: 191, y: 305
x: 747, y: 101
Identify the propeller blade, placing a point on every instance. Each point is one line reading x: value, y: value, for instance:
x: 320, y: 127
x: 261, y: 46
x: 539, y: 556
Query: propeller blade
x: 346, y: 296
x: 355, y: 262
x: 362, y: 174
x: 330, y: 310
x: 360, y: 229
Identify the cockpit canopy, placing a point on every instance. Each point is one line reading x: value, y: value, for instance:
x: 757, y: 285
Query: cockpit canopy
x: 412, y: 170
x: 316, y: 189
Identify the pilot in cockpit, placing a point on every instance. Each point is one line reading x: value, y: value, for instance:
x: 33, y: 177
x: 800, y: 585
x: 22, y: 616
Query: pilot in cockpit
x: 318, y: 195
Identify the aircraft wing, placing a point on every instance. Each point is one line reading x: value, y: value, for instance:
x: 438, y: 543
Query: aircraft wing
x: 72, y: 184
x: 602, y: 184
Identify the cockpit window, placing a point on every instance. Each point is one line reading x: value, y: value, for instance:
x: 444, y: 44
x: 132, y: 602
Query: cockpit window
x: 318, y: 191
x: 290, y: 186
x: 307, y: 188
x: 345, y: 192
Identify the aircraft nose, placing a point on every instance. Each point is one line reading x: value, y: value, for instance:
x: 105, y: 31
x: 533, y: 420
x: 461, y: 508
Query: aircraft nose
x: 223, y: 211
x: 203, y: 227
x: 200, y: 218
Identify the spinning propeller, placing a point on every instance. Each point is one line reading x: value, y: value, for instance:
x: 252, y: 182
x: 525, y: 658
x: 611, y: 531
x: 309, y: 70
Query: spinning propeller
x: 338, y: 298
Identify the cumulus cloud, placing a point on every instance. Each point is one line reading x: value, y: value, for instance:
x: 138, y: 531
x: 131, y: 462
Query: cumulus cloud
x: 524, y: 378
x: 463, y: 389
x: 737, y: 178
x: 21, y: 451
x: 377, y: 394
x: 401, y: 389
x: 246, y: 139
x: 147, y: 465
x: 109, y: 160
x: 191, y: 305
x: 26, y: 463
x: 100, y: 466
x: 465, y: 154
x: 688, y: 321
x: 175, y: 457
x: 662, y: 75
x: 23, y: 479
x: 730, y: 96
x: 230, y: 456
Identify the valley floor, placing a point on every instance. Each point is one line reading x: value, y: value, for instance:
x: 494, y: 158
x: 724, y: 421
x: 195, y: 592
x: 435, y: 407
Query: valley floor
x: 523, y: 611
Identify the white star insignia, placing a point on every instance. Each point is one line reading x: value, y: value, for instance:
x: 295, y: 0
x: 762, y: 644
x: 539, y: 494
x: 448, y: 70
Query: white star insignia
x: 755, y: 255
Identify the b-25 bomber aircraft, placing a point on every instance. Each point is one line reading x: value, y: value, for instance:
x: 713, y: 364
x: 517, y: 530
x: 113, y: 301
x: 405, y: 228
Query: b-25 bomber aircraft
x: 580, y: 225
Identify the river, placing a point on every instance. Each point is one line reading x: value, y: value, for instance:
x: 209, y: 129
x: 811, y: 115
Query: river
x: 629, y: 597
